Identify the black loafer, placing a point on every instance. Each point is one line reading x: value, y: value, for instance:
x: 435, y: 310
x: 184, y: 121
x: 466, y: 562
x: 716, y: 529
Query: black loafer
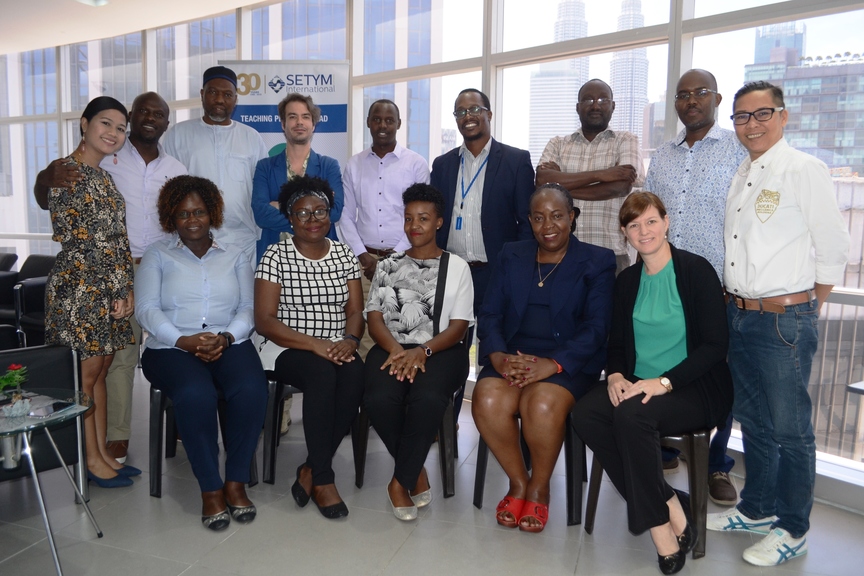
x: 338, y: 510
x: 242, y: 514
x: 217, y: 522
x: 673, y: 563
x: 300, y: 495
x: 687, y: 539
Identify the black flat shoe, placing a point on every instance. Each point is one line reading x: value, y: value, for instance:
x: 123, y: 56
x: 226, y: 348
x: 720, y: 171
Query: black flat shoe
x: 217, y: 522
x: 673, y: 563
x: 687, y: 539
x: 242, y: 514
x: 300, y: 495
x: 338, y: 510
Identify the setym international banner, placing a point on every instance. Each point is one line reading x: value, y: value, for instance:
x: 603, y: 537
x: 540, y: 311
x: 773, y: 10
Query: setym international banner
x: 261, y: 84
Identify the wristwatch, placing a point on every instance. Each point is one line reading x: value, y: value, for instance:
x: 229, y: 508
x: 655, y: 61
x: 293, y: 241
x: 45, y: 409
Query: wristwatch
x: 427, y: 350
x: 667, y: 384
x: 229, y: 338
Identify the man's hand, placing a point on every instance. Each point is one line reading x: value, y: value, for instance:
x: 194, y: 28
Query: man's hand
x: 59, y: 174
x: 368, y: 263
x: 624, y: 172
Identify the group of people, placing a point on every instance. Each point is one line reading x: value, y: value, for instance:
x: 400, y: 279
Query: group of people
x: 363, y: 287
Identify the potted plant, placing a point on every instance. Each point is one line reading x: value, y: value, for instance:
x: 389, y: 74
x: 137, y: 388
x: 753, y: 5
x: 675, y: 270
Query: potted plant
x: 15, y: 375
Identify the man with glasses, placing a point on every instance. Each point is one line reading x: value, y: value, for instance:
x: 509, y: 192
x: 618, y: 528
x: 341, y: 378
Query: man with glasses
x: 486, y: 187
x: 226, y: 152
x: 786, y: 246
x: 691, y: 174
x: 372, y: 222
x: 598, y: 166
x: 139, y: 170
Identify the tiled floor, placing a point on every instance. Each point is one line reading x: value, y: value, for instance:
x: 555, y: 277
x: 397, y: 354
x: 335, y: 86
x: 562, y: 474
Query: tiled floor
x: 153, y: 536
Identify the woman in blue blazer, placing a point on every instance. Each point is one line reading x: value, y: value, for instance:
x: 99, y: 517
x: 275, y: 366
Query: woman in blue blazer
x: 542, y: 329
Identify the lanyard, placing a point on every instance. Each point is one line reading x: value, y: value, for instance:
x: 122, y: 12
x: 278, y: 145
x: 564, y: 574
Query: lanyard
x: 470, y: 184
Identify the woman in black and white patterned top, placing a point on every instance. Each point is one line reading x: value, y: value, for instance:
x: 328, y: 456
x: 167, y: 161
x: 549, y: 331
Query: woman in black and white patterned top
x: 414, y: 369
x: 309, y: 310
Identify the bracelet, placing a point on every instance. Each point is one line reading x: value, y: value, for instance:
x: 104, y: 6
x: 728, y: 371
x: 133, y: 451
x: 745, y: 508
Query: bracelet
x: 352, y: 337
x: 560, y: 368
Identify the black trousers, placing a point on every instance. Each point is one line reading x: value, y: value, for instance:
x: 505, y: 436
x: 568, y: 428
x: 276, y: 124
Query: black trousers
x: 407, y: 416
x: 331, y: 398
x: 626, y: 440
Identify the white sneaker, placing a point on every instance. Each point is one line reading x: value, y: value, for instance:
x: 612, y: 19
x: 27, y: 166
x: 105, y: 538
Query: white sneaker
x: 776, y: 548
x: 733, y: 521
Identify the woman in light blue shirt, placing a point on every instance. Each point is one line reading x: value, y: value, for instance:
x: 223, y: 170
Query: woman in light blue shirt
x: 195, y: 301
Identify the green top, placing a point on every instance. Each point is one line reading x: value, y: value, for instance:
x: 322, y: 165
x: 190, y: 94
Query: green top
x: 658, y: 324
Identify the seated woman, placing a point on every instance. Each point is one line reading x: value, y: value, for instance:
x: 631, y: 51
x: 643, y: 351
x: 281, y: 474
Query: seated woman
x: 419, y: 359
x: 195, y: 301
x: 542, y: 329
x: 309, y: 310
x: 666, y: 374
x: 88, y: 297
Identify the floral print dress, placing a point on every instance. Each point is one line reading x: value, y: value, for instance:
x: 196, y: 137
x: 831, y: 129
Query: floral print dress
x: 93, y: 269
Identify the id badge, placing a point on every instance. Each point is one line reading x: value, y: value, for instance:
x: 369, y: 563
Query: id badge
x: 458, y: 223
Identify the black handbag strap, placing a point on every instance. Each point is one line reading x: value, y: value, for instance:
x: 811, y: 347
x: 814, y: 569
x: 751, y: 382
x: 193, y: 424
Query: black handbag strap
x: 439, y: 291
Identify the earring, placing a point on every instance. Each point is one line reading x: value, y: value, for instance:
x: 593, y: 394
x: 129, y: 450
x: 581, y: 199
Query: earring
x: 115, y: 158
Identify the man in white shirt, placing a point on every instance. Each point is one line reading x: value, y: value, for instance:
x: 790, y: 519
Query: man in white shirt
x: 372, y: 222
x: 786, y: 248
x: 139, y: 169
x: 226, y: 152
x: 598, y: 166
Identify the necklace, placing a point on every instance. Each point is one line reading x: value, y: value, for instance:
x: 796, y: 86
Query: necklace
x: 540, y: 276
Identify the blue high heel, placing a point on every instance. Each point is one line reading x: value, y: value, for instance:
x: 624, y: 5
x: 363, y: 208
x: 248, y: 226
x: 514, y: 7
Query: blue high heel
x: 116, y: 482
x: 128, y: 471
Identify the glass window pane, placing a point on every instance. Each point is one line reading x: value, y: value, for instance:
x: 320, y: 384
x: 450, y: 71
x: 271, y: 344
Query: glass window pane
x: 711, y: 7
x: 30, y: 80
x: 548, y: 107
x: 185, y: 51
x: 300, y: 30
x: 536, y: 22
x: 403, y: 33
x: 108, y: 67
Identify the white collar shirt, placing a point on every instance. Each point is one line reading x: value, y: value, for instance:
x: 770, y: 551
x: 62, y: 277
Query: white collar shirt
x: 466, y: 230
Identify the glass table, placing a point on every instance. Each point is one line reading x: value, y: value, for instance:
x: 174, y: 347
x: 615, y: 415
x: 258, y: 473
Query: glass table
x: 16, y: 431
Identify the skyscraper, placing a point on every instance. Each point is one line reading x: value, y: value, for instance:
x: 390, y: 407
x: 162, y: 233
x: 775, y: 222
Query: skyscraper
x: 555, y: 87
x: 629, y: 75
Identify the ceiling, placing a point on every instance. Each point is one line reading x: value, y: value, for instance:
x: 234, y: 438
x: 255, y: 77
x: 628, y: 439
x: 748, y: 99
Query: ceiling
x: 33, y: 24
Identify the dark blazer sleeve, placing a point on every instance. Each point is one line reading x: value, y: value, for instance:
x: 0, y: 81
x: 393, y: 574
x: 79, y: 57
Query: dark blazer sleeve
x: 443, y: 179
x: 523, y: 188
x: 490, y: 317
x: 620, y: 356
x: 708, y: 332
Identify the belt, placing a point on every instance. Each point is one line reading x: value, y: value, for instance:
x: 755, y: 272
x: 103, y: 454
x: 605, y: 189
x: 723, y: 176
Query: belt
x: 477, y: 264
x: 776, y: 304
x: 379, y: 253
x: 136, y: 260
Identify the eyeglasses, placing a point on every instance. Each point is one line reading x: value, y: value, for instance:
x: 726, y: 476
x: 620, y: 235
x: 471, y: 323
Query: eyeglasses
x: 700, y: 94
x: 599, y: 101
x: 184, y: 215
x: 762, y: 115
x: 306, y: 215
x: 473, y: 111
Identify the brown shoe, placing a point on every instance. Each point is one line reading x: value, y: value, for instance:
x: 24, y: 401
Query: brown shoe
x: 670, y: 466
x: 721, y: 490
x: 118, y: 449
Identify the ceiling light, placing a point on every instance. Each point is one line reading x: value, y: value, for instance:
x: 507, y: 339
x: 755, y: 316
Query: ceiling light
x: 95, y: 3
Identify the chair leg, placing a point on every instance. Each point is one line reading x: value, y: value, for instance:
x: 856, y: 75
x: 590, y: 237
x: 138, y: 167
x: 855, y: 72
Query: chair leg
x: 697, y: 467
x: 171, y: 434
x: 573, y: 463
x: 157, y: 422
x: 446, y: 451
x: 360, y: 443
x: 271, y: 430
x: 593, y: 495
x: 480, y: 473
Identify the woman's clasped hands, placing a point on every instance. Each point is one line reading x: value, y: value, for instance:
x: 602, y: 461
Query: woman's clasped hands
x: 406, y: 363
x: 621, y: 389
x: 520, y: 370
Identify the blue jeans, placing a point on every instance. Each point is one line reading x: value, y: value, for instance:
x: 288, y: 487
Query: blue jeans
x: 770, y: 356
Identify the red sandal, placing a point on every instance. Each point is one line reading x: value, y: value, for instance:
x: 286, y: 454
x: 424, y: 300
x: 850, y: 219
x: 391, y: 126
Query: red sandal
x: 539, y: 512
x: 511, y: 505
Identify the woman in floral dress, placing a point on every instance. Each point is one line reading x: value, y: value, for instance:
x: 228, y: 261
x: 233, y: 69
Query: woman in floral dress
x: 88, y: 298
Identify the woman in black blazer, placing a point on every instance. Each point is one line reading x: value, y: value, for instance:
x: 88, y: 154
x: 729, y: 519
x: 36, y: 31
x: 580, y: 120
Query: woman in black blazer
x: 543, y: 328
x: 666, y: 374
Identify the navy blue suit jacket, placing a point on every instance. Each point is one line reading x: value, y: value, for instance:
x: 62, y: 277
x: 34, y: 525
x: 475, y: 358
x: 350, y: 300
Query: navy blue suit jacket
x: 581, y: 312
x: 508, y: 185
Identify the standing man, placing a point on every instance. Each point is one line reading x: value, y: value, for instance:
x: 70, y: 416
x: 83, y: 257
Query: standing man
x: 226, y: 152
x: 598, y: 166
x: 139, y: 170
x: 372, y: 222
x: 486, y: 187
x: 299, y: 116
x: 786, y: 246
x: 691, y: 174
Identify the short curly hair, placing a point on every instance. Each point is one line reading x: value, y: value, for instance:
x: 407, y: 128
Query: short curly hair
x: 300, y: 187
x: 178, y: 188
x: 421, y: 192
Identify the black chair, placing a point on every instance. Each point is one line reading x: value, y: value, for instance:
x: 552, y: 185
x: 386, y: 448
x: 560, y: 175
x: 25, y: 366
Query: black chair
x: 8, y: 338
x: 51, y: 367
x: 574, y: 464
x: 7, y: 260
x: 694, y: 447
x: 162, y: 419
x: 33, y: 275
